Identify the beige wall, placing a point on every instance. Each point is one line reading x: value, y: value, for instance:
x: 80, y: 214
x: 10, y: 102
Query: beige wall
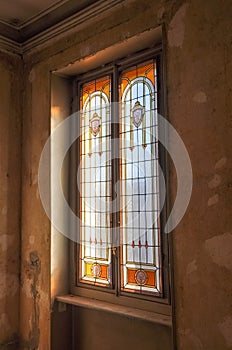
x: 200, y: 103
x: 199, y: 69
x: 10, y: 178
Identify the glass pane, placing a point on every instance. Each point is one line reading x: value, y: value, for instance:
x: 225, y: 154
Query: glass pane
x: 140, y: 228
x: 94, y: 183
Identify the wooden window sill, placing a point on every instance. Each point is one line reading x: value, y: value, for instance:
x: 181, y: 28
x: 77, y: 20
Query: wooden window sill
x: 117, y: 309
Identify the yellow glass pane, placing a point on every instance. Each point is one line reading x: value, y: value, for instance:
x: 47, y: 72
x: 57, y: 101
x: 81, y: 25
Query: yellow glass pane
x: 102, y: 84
x: 96, y: 270
x: 146, y: 70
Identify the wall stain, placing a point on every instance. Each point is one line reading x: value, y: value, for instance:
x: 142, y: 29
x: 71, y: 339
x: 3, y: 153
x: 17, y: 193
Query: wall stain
x: 220, y: 249
x: 200, y: 97
x: 215, y: 182
x: 11, y: 343
x: 176, y: 30
x: 213, y: 200
x: 33, y: 269
x: 220, y: 163
x: 226, y: 329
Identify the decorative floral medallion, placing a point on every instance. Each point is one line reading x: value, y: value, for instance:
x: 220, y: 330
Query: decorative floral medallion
x: 137, y: 114
x: 141, y: 277
x: 96, y: 270
x: 95, y: 124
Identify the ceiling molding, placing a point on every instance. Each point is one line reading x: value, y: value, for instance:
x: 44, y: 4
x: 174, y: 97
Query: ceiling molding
x: 43, y: 20
x: 10, y: 45
x: 9, y: 32
x: 54, y: 17
x: 76, y: 21
x: 16, y: 40
x: 43, y: 13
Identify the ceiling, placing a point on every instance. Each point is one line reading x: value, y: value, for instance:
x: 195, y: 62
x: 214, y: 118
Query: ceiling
x: 21, y: 20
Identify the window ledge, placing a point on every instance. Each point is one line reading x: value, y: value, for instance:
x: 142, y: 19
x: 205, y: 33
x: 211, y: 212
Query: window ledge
x: 117, y: 309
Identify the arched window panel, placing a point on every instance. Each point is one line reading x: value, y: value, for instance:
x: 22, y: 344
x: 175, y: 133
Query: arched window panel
x: 140, y: 225
x: 95, y: 179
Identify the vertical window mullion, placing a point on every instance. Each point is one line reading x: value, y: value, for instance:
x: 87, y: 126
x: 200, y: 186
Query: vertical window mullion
x: 115, y: 179
x: 163, y: 163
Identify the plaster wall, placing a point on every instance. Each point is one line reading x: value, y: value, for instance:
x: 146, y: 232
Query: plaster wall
x: 61, y: 92
x: 198, y: 37
x: 10, y: 182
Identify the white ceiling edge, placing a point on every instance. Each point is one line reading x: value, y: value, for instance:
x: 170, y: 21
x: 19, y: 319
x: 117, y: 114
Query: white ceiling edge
x: 144, y: 40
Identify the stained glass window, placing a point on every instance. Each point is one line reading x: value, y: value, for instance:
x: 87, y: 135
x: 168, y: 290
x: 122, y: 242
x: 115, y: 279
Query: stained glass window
x: 138, y: 269
x: 140, y: 229
x: 95, y: 253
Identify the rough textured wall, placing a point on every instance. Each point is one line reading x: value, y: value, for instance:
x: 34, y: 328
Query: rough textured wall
x: 61, y: 90
x: 10, y: 178
x: 199, y: 106
x: 35, y: 236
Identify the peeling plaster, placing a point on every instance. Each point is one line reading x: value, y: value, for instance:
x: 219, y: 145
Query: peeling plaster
x: 32, y: 75
x: 191, y: 267
x: 6, y: 241
x: 213, y: 200
x: 215, y: 182
x: 226, y: 329
x: 220, y: 163
x: 30, y: 287
x: 200, y: 17
x: 220, y: 249
x: 35, y: 267
x: 4, y: 211
x: 200, y: 97
x: 31, y: 239
x: 176, y: 30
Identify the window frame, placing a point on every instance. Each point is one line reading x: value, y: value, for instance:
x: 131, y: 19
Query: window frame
x: 114, y: 295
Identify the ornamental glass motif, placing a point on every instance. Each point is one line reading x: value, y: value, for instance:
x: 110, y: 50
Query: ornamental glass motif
x: 140, y: 225
x: 95, y: 180
x: 138, y: 259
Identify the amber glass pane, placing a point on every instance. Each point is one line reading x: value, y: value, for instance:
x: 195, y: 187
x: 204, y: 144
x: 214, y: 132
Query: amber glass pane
x: 140, y: 228
x: 95, y: 178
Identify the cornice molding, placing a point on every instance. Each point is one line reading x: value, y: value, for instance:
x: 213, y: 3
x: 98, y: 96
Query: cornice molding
x: 41, y: 14
x: 76, y: 21
x: 10, y: 45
